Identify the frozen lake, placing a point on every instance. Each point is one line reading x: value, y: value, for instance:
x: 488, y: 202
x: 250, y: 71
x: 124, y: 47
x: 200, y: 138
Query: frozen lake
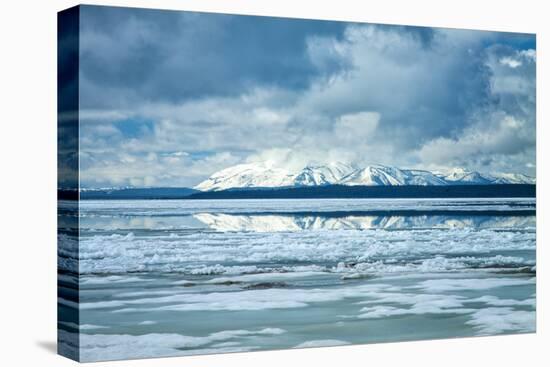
x: 181, y: 277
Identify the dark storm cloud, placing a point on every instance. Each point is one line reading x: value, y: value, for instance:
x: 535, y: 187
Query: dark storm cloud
x: 67, y: 98
x: 131, y: 55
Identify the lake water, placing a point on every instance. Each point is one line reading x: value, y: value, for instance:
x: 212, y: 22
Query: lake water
x: 182, y: 277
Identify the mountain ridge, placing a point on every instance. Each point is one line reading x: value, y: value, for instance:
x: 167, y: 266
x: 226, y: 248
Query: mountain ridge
x: 267, y: 175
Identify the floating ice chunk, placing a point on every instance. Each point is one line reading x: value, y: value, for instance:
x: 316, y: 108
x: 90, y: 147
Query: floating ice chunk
x: 147, y: 322
x: 419, y: 304
x: 495, y: 301
x: 380, y: 311
x: 92, y: 327
x: 259, y: 299
x: 442, y: 285
x: 110, y: 279
x: 122, y: 346
x: 497, y: 320
x: 322, y: 343
x: 264, y: 277
x: 208, y: 253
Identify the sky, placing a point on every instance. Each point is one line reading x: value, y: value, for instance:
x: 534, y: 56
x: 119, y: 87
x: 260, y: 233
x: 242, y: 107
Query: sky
x: 168, y: 98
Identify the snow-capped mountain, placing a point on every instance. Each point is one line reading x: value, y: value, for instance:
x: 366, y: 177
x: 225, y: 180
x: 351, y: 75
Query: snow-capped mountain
x: 323, y: 175
x: 390, y: 176
x: 516, y: 178
x: 462, y: 176
x: 262, y: 174
x: 266, y: 174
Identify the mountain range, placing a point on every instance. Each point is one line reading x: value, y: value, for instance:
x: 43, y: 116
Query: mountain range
x: 266, y: 175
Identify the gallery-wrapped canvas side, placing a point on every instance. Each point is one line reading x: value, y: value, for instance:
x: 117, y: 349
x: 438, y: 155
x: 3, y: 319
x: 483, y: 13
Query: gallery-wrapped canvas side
x: 67, y: 184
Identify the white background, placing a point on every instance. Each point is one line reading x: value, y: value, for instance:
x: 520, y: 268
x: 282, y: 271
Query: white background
x: 28, y: 182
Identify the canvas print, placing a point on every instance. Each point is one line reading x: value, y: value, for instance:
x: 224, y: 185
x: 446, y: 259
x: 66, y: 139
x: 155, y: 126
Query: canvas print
x: 235, y: 183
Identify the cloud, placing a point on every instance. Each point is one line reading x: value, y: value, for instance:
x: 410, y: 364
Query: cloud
x: 500, y: 136
x: 513, y: 63
x: 478, y: 146
x: 131, y: 56
x: 420, y: 92
x: 354, y: 127
x: 229, y: 89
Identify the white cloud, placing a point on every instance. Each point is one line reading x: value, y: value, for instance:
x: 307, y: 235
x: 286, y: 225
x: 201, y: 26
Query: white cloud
x: 529, y: 54
x: 504, y: 135
x: 511, y: 62
x: 353, y: 128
